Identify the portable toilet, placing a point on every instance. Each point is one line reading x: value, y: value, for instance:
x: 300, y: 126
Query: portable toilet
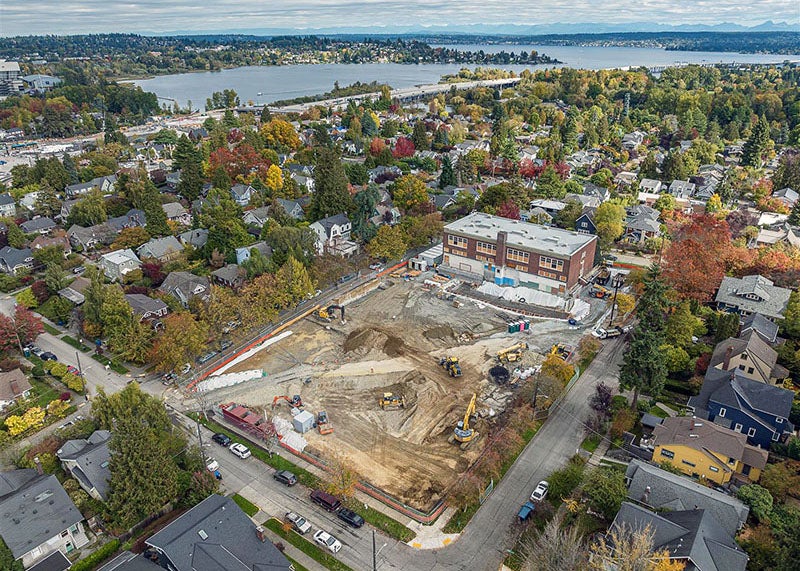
x: 303, y: 422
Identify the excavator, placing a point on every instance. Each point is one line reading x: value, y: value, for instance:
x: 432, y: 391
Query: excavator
x: 389, y: 401
x: 599, y: 291
x: 451, y: 365
x: 328, y: 313
x: 562, y: 351
x: 294, y: 402
x: 323, y: 424
x: 512, y: 354
x: 462, y: 433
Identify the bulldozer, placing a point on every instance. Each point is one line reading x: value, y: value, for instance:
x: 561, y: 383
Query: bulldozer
x: 389, y: 401
x: 599, y: 291
x: 329, y: 313
x: 323, y: 424
x: 463, y: 434
x: 451, y: 365
x: 512, y: 354
x: 294, y: 402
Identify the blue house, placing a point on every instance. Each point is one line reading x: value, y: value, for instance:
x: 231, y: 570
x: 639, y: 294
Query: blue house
x: 759, y: 410
x: 585, y: 222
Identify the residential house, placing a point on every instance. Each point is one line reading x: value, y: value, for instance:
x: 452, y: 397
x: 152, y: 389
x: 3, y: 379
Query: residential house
x: 751, y: 355
x: 601, y: 193
x: 766, y: 329
x: 66, y: 208
x: 14, y: 261
x: 118, y: 263
x: 162, y: 249
x: 293, y: 208
x: 74, y: 291
x: 197, y: 134
x: 14, y: 385
x: 184, y: 286
x: 8, y: 207
x: 177, y: 213
x: 625, y: 179
x: 682, y: 189
x: 536, y: 215
x: 780, y: 234
x: 583, y: 200
x: 385, y: 214
x: 786, y: 195
x: 552, y: 207
x: 694, y: 538
x: 333, y: 235
x: 442, y: 201
x: 630, y: 141
x: 195, y: 238
x: 585, y: 222
x: 145, y: 307
x: 305, y: 182
x: 173, y: 179
x: 708, y: 451
x: 230, y: 275
x: 663, y: 491
x: 382, y: 173
x: 40, y: 83
x: 39, y: 225
x: 650, y: 185
x: 256, y: 217
x: 732, y: 400
x: 243, y: 254
x: 38, y: 517
x: 87, y: 461
x: 514, y: 253
x: 84, y: 239
x: 105, y: 184
x: 29, y: 200
x: 242, y: 193
x: 217, y: 534
x: 752, y: 294
x: 640, y: 228
x: 132, y: 219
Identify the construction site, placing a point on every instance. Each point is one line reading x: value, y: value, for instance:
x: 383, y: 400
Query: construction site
x: 397, y: 373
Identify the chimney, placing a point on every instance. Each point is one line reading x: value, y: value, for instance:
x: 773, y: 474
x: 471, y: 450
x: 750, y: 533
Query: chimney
x: 38, y: 463
x: 727, y: 361
x: 691, y: 424
x: 646, y: 495
x: 260, y: 534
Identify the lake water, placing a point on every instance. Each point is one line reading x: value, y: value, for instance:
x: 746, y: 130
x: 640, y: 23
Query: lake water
x: 287, y: 82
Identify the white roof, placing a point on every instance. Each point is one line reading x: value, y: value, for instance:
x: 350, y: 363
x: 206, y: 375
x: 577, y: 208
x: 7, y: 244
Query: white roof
x: 8, y: 65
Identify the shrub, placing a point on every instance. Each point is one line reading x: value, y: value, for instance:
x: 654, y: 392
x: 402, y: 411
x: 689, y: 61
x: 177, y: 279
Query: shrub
x: 73, y: 382
x: 65, y: 396
x: 58, y: 370
x: 606, y: 491
x: 57, y: 408
x: 564, y: 481
x: 758, y: 498
x: 624, y: 419
x: 38, y: 371
x: 97, y: 557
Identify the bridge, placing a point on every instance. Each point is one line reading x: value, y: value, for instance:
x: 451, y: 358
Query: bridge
x: 404, y: 95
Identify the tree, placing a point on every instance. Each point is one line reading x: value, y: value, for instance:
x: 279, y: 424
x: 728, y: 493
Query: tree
x: 274, y: 178
x: 92, y: 306
x: 419, y: 136
x: 226, y: 230
x: 550, y: 185
x: 567, y: 216
x: 600, y: 401
x: 606, y: 490
x: 26, y: 299
x: 89, y: 210
x: 47, y: 201
x: 7, y: 560
x: 294, y: 278
x: 758, y: 498
x: 132, y: 237
x: 357, y: 174
x: 145, y: 196
x: 116, y: 315
x: 331, y: 196
x: 665, y: 203
x: 625, y: 303
x: 630, y: 549
x: 675, y: 166
x: 609, y: 219
x: 676, y: 359
x: 32, y: 418
x: 286, y: 241
x: 341, y: 478
x: 681, y: 325
x: 447, y: 177
x: 556, y: 549
x: 757, y: 144
x: 190, y: 184
x: 49, y: 255
x: 508, y: 209
x: 55, y: 278
x: 714, y: 204
x: 182, y: 340
x: 423, y: 230
x: 403, y: 148
x: 389, y: 243
x: 781, y: 478
x: 790, y: 324
x: 280, y: 135
x: 408, y: 192
x: 556, y: 368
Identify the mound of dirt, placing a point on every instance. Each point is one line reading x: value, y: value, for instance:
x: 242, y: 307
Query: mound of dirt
x: 363, y: 341
x: 443, y: 333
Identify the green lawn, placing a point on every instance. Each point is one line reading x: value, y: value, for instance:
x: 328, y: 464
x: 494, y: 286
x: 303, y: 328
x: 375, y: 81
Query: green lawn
x: 50, y: 329
x: 386, y: 524
x: 113, y: 364
x: 317, y: 554
x: 656, y: 411
x: 295, y: 564
x: 247, y: 506
x: 69, y: 340
x: 590, y: 443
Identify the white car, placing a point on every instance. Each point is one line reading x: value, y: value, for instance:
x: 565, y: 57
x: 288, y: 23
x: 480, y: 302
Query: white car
x: 540, y: 492
x: 298, y: 522
x: 327, y: 540
x: 240, y: 450
x: 212, y: 464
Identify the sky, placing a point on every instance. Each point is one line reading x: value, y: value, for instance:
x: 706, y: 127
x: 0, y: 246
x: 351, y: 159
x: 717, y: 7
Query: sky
x: 24, y: 17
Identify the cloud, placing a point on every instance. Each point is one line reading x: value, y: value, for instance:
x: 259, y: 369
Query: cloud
x: 23, y: 17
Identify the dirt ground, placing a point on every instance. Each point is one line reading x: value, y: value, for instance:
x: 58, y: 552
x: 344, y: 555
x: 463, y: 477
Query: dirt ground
x: 392, y: 342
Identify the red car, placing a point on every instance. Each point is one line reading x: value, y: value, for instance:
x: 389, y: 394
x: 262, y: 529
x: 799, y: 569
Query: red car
x: 73, y: 370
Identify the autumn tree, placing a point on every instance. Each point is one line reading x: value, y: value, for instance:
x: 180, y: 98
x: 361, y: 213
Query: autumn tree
x: 89, y: 210
x: 182, y: 340
x: 556, y: 548
x: 280, y: 135
x: 132, y: 237
x: 341, y: 477
x: 556, y: 368
x: 609, y: 219
x: 628, y: 549
x: 404, y: 147
x: 681, y: 325
x: 331, y: 195
x: 294, y: 277
x: 508, y: 209
x: 408, y: 192
x: 389, y: 243
x: 423, y: 230
x: 625, y: 303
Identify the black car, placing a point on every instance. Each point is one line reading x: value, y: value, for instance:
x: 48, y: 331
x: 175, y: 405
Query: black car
x: 48, y: 356
x: 285, y: 477
x: 351, y: 517
x: 221, y: 439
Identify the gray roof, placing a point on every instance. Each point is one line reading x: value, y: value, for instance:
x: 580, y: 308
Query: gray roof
x: 754, y: 345
x: 6, y: 198
x: 542, y: 239
x: 160, y: 247
x: 174, y: 209
x: 216, y: 534
x: 289, y: 205
x: 56, y: 561
x: 659, y: 489
x: 229, y: 273
x: 768, y: 330
x: 197, y: 237
x: 92, y: 457
x: 183, y: 284
x: 643, y: 222
x: 331, y: 221
x: 13, y: 257
x: 133, y: 217
x: 690, y: 534
x: 127, y: 561
x: 36, y: 510
x: 142, y: 304
x: 643, y: 210
x: 771, y: 300
x: 37, y: 224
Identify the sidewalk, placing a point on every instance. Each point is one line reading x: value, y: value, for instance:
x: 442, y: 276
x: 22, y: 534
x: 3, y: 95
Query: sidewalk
x: 288, y: 548
x: 600, y: 452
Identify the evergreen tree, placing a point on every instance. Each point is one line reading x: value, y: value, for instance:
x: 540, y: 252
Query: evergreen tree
x: 419, y: 136
x: 71, y: 169
x: 330, y: 186
x: 145, y: 196
x: 115, y: 314
x: 266, y: 114
x: 92, y: 306
x: 191, y: 181
x: 675, y: 166
x: 368, y: 126
x: 794, y: 216
x: 226, y: 230
x: 89, y: 210
x: 184, y: 149
x: 649, y: 167
x: 448, y: 176
x: 364, y: 208
x: 47, y: 202
x: 756, y: 144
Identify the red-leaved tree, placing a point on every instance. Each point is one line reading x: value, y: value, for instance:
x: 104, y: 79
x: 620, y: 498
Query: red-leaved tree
x: 403, y: 148
x: 24, y: 324
x: 508, y: 209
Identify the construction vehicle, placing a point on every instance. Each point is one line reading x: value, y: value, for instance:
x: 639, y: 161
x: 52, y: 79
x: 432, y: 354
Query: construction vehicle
x: 388, y: 400
x: 603, y: 276
x: 328, y: 313
x: 451, y: 365
x: 561, y: 351
x: 599, y: 291
x: 463, y: 434
x: 323, y: 424
x: 294, y: 402
x: 512, y: 354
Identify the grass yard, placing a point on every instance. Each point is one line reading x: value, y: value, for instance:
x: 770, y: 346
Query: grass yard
x: 324, y: 558
x: 247, y: 506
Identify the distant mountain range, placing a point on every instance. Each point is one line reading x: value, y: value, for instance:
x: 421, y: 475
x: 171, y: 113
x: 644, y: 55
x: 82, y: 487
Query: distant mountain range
x: 500, y: 29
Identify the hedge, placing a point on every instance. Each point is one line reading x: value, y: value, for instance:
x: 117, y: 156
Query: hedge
x: 96, y: 558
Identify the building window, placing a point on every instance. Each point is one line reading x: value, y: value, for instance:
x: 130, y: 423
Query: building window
x: 713, y: 468
x: 741, y: 367
x: 779, y: 420
x: 775, y: 436
x: 517, y: 255
x: 486, y: 248
x: 751, y: 432
x: 457, y: 241
x: 738, y: 427
x: 722, y: 412
x: 667, y: 453
x: 551, y: 263
x: 692, y: 464
x: 732, y: 461
x: 550, y: 275
x: 749, y: 370
x: 65, y: 533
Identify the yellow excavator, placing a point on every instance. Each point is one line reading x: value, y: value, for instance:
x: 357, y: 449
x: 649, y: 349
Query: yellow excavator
x: 451, y: 365
x: 512, y: 354
x: 463, y: 434
x: 390, y: 401
x: 329, y: 313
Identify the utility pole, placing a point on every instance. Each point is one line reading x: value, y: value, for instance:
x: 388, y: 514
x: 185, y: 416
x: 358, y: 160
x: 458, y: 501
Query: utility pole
x: 617, y: 282
x: 80, y: 372
x: 374, y: 553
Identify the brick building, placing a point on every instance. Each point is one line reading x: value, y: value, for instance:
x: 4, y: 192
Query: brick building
x: 515, y: 253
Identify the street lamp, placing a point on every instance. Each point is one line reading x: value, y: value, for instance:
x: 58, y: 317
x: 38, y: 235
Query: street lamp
x: 375, y: 553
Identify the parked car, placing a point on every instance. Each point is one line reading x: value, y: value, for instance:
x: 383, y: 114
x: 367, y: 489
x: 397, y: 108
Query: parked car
x: 78, y: 269
x: 540, y: 492
x: 526, y: 510
x: 221, y: 439
x: 211, y: 464
x: 186, y: 368
x: 298, y: 522
x: 225, y: 344
x: 36, y: 350
x: 351, y: 517
x: 285, y: 477
x: 168, y: 378
x: 327, y: 501
x: 202, y: 359
x: 48, y: 356
x: 375, y: 266
x: 328, y: 541
x: 73, y: 370
x: 240, y: 450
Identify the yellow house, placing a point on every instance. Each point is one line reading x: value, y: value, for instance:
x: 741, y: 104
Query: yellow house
x: 705, y: 450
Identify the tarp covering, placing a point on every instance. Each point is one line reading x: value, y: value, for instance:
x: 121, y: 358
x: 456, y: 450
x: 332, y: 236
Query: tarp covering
x: 523, y: 295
